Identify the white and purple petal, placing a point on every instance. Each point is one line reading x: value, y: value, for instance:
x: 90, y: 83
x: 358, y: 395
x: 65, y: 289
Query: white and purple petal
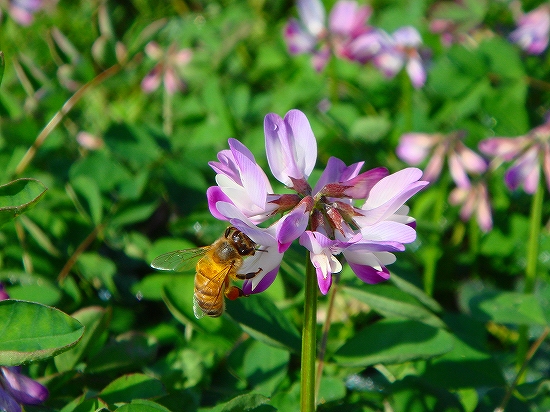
x: 290, y: 146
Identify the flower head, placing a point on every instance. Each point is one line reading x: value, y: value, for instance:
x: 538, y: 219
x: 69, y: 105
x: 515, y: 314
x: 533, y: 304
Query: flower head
x: 474, y: 199
x: 311, y: 34
x: 402, y: 49
x: 413, y: 148
x: 533, y: 29
x: 456, y: 21
x: 360, y: 215
x: 16, y: 388
x: 22, y: 11
x: 527, y: 152
x: 170, y: 62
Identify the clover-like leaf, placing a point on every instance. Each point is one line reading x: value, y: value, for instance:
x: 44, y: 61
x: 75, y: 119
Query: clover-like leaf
x: 30, y: 331
x: 18, y: 196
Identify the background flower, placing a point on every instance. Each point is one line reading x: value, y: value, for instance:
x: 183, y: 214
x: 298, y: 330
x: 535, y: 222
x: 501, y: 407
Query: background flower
x: 528, y: 153
x: 167, y: 70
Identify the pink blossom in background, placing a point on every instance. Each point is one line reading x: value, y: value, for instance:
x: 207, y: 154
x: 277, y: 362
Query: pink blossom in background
x: 312, y: 35
x: 456, y: 21
x: 167, y: 69
x: 532, y: 30
x: 414, y: 148
x: 528, y: 153
x: 474, y: 199
x: 89, y: 141
x: 358, y: 214
x: 22, y: 11
x: 402, y: 49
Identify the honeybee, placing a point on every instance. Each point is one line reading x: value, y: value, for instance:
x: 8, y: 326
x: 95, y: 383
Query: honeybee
x: 218, y: 263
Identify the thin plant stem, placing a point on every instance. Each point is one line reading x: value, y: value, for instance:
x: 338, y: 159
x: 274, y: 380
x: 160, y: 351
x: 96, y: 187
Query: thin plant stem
x: 432, y: 251
x: 474, y: 234
x: 79, y: 250
x: 407, y: 101
x: 333, y: 80
x: 307, y: 394
x: 521, y: 371
x: 167, y: 122
x: 534, y: 235
x: 56, y: 119
x: 531, y: 267
x: 324, y: 336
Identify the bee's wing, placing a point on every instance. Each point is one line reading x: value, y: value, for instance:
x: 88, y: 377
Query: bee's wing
x: 197, y: 310
x: 179, y: 260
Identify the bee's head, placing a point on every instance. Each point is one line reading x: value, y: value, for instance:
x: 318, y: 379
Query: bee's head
x: 244, y: 245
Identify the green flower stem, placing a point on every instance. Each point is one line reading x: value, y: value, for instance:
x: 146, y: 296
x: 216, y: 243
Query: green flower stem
x: 534, y: 235
x: 531, y: 268
x: 309, y: 343
x: 432, y: 251
x: 167, y: 123
x: 326, y: 329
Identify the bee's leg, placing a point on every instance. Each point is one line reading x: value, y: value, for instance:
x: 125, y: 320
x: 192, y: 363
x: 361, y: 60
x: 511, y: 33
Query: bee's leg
x: 233, y: 292
x: 247, y: 275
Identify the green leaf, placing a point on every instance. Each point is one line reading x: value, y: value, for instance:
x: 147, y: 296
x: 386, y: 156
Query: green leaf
x: 392, y: 341
x: 142, y: 405
x: 96, y: 267
x: 133, y: 213
x: 128, y: 351
x: 46, y: 293
x: 464, y: 367
x: 85, y: 405
x: 371, y: 129
x: 261, y: 319
x: 415, y: 291
x: 2, y: 64
x: 151, y: 287
x: 248, y: 402
x: 331, y: 389
x: 95, y: 320
x: 507, y: 307
x: 264, y: 367
x: 532, y: 390
x: 412, y: 394
x: 133, y: 386
x: 18, y: 196
x: 86, y: 187
x: 30, y: 331
x: 392, y: 302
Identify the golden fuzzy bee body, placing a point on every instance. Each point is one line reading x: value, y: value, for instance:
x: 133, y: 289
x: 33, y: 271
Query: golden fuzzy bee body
x: 218, y: 264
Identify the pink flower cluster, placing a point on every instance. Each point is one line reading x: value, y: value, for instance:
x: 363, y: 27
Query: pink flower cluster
x: 346, y: 35
x: 360, y: 215
x: 16, y: 388
x: 528, y: 153
x: 167, y: 69
x: 414, y: 148
x: 532, y: 30
x: 22, y: 11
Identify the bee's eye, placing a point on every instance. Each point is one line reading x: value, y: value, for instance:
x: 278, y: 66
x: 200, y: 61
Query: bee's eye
x: 227, y: 232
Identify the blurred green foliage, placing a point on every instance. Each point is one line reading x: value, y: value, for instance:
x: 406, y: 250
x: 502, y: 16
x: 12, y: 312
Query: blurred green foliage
x: 127, y: 172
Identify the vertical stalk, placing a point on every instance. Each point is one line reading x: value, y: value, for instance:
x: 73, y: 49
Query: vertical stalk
x: 307, y: 394
x: 167, y: 123
x: 531, y: 268
x: 474, y: 235
x: 324, y: 336
x: 534, y: 235
x: 432, y: 250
